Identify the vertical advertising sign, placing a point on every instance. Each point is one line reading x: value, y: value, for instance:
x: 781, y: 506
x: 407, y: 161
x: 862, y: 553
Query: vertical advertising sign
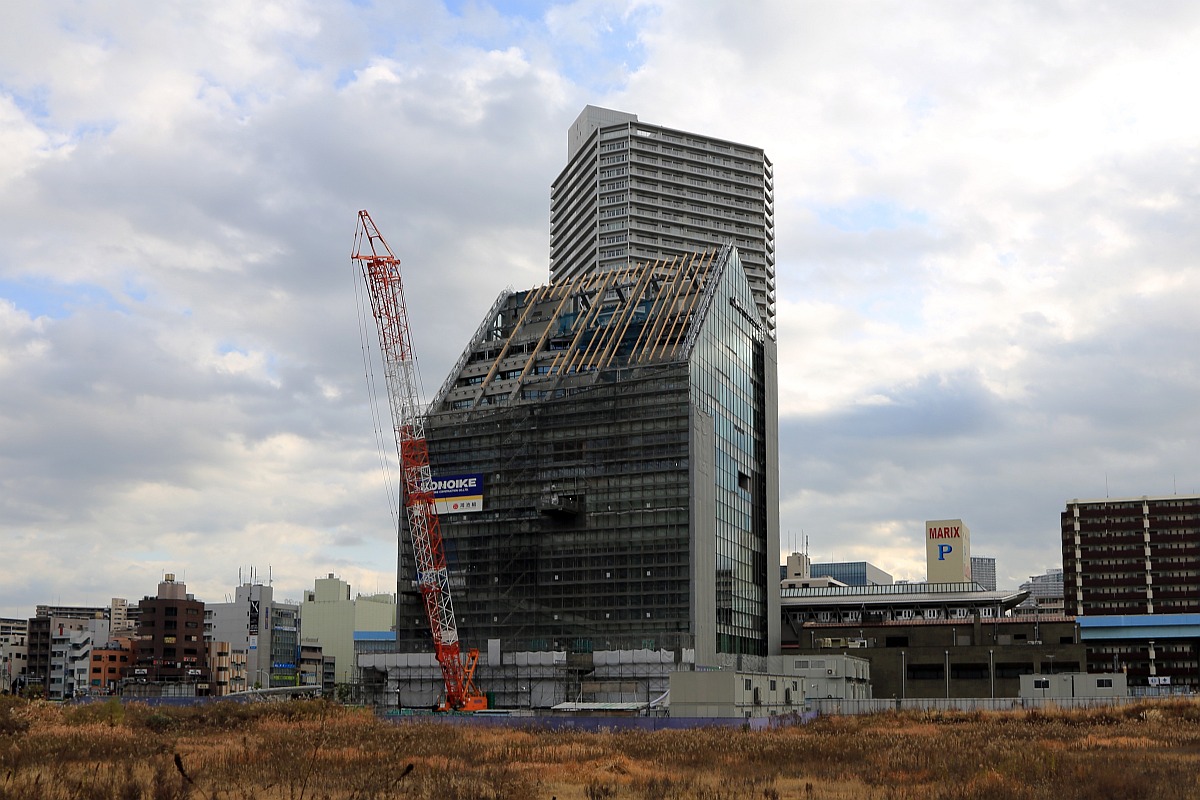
x: 947, y: 551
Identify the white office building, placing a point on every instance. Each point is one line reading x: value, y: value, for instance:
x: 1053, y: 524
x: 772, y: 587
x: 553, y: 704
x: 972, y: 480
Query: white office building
x: 264, y: 629
x: 71, y: 657
x: 14, y: 652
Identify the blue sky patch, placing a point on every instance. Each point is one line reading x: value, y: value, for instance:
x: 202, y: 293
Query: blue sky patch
x: 135, y: 291
x: 618, y: 51
x: 95, y: 127
x: 892, y: 299
x: 225, y: 348
x: 345, y: 77
x: 526, y: 9
x: 35, y: 103
x: 599, y: 65
x: 869, y: 214
x: 39, y: 297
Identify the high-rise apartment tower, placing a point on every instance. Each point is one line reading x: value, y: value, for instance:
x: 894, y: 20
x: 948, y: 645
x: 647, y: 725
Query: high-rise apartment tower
x: 635, y: 193
x: 983, y: 572
x: 1133, y: 555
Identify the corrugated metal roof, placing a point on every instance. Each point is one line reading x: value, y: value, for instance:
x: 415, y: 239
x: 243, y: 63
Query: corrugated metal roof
x: 898, y: 594
x: 584, y: 707
x: 1139, y: 626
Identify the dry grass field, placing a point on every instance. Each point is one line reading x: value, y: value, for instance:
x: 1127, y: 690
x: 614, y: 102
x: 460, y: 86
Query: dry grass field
x: 311, y: 750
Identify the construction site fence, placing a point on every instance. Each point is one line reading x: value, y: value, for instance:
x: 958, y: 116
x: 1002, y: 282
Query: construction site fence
x: 601, y: 724
x: 967, y: 704
x: 813, y: 710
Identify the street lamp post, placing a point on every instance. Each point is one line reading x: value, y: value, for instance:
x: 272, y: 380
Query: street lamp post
x: 5, y: 668
x: 903, y: 674
x: 992, y: 671
x: 947, y: 674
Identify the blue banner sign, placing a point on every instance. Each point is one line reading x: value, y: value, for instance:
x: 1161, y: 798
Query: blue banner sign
x: 458, y: 494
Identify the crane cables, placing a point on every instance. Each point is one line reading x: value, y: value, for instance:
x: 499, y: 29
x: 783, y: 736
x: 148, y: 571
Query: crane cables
x: 385, y: 448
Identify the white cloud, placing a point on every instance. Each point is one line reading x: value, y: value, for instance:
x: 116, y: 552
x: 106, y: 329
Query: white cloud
x: 986, y: 241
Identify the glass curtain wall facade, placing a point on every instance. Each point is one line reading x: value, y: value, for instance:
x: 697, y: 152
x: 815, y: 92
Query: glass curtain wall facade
x: 728, y: 385
x: 622, y: 429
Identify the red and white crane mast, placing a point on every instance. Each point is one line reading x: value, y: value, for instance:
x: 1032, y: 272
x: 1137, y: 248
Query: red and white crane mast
x: 381, y: 271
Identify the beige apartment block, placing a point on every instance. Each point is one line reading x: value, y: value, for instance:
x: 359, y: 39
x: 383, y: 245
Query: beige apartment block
x: 329, y: 616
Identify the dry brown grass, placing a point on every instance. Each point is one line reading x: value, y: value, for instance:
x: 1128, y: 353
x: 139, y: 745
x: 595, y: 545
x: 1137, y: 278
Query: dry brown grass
x: 318, y: 751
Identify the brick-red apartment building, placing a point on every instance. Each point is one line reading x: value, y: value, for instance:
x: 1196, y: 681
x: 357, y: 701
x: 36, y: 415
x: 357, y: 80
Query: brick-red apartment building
x: 1132, y: 555
x: 1131, y: 575
x: 170, y: 645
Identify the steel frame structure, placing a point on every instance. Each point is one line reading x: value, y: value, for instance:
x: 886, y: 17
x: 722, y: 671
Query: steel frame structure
x: 381, y: 272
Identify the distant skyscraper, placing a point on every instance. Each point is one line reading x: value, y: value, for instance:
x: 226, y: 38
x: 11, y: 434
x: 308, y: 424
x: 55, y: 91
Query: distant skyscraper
x: 1048, y: 586
x: 638, y: 193
x: 1045, y: 594
x: 852, y: 573
x: 983, y: 572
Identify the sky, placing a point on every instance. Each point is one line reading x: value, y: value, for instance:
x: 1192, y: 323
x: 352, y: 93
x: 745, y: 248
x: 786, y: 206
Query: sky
x: 986, y: 219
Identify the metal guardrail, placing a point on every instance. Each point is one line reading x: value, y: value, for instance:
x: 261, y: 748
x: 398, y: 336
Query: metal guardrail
x: 967, y: 704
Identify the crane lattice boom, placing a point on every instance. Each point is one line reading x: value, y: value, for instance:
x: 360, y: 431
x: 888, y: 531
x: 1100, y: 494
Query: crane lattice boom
x: 381, y: 271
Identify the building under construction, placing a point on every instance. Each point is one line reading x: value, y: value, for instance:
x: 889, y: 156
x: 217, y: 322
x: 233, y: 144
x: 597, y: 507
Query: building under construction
x: 605, y: 453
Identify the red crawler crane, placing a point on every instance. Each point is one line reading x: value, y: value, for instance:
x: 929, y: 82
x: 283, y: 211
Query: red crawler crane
x: 381, y: 271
